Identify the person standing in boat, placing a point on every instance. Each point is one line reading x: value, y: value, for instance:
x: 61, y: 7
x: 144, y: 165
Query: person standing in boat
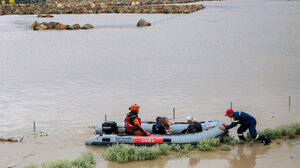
x: 133, y: 122
x: 247, y: 122
x: 158, y: 127
x: 193, y: 127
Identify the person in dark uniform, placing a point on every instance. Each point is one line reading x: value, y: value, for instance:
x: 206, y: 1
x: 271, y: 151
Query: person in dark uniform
x: 247, y: 122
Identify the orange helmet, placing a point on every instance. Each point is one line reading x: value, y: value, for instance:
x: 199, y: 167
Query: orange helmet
x: 134, y: 107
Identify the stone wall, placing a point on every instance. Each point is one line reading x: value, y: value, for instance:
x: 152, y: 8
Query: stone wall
x: 97, y: 7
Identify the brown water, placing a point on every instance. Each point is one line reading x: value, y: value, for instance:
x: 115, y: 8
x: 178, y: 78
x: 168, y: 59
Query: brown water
x: 245, y: 52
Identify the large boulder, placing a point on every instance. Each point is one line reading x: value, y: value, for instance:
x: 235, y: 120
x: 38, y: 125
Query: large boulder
x: 75, y: 26
x: 87, y: 26
x: 41, y: 27
x: 60, y: 26
x: 143, y: 22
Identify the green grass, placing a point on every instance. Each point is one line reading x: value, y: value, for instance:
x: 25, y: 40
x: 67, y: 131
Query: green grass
x: 86, y: 160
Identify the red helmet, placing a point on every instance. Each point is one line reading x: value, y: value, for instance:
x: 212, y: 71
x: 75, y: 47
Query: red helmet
x: 134, y: 107
x: 228, y: 112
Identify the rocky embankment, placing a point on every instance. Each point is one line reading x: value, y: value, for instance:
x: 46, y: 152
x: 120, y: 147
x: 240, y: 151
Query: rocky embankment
x: 150, y: 7
x: 58, y: 26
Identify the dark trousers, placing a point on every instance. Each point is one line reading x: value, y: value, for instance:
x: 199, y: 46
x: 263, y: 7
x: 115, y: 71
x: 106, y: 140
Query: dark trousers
x: 252, y: 131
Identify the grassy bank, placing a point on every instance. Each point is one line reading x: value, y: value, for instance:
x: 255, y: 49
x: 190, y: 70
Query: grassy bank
x: 86, y: 160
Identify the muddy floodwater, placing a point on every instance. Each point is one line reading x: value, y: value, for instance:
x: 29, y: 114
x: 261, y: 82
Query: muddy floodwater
x: 242, y: 51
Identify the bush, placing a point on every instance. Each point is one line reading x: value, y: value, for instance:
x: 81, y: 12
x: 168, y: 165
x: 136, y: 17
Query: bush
x: 208, y: 144
x: 226, y: 148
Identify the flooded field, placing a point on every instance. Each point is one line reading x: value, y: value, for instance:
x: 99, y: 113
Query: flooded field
x: 245, y: 52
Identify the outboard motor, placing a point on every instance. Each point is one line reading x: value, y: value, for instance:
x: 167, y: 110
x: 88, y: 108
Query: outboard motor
x: 109, y: 127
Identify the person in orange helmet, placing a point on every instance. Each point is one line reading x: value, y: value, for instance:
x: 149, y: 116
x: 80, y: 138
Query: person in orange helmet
x: 133, y: 122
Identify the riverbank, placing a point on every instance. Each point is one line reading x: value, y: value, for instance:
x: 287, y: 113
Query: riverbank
x: 98, y: 7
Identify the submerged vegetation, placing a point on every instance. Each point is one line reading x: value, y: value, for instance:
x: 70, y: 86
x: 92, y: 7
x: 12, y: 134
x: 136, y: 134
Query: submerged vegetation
x: 86, y: 160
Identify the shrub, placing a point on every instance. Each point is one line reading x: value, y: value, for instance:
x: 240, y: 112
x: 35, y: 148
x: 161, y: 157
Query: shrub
x: 226, y: 148
x: 86, y: 160
x: 126, y: 153
x: 175, y: 148
x: 186, y: 148
x: 285, y: 130
x: 208, y: 144
x: 228, y: 140
x: 58, y: 164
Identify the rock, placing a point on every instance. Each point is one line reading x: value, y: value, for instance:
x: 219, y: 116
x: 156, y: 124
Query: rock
x: 52, y: 25
x: 48, y: 16
x: 60, y: 26
x: 41, y: 27
x: 93, y: 5
x: 167, y: 11
x: 34, y: 24
x: 69, y: 27
x: 186, y: 11
x: 75, y: 26
x: 143, y: 22
x: 40, y: 15
x: 87, y: 26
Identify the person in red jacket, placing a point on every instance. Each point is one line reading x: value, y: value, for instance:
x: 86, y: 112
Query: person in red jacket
x: 133, y: 122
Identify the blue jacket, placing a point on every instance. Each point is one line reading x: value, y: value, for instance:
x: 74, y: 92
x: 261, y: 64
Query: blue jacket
x: 241, y: 118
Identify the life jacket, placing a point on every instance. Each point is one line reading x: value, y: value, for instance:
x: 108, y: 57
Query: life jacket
x: 129, y: 125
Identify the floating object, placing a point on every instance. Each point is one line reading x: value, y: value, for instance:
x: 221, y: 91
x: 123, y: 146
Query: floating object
x: 210, y: 130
